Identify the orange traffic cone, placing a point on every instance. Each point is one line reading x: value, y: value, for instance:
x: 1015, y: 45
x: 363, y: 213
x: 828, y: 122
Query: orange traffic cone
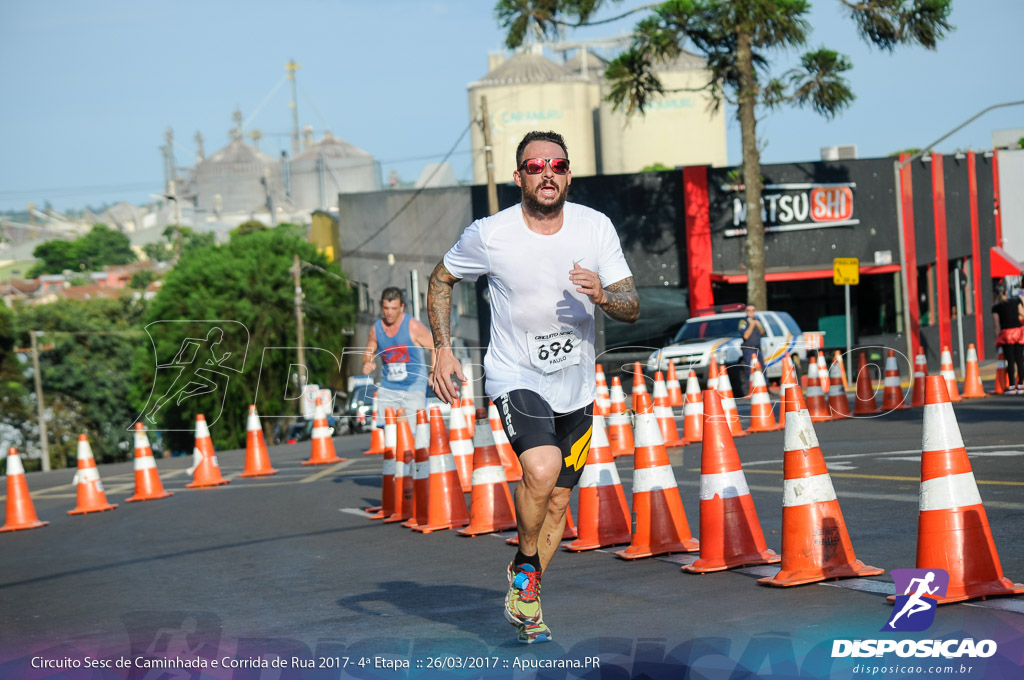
x: 405, y: 453
x: 952, y: 527
x: 91, y: 497
x: 730, y: 532
x: 815, y: 542
x: 620, y: 429
x: 973, y: 389
x: 823, y: 373
x: 816, y: 404
x: 892, y: 396
x: 509, y: 459
x: 947, y: 372
x: 148, y: 486
x: 761, y: 417
x: 838, y: 404
x: 21, y: 513
x: 257, y: 460
x: 732, y: 414
x: 663, y: 414
x: 693, y: 411
x: 603, y: 402
x: 205, y: 469
x: 387, y: 473
x: 675, y: 390
x: 920, y: 373
x: 491, y: 508
x: 712, y: 381
x: 788, y: 380
x: 376, y: 434
x: 420, y: 472
x: 461, y: 443
x: 322, y: 444
x: 446, y: 502
x: 604, y: 515
x: 1002, y: 381
x: 837, y: 356
x: 639, y: 386
x: 866, y: 404
x: 661, y: 525
x: 468, y: 411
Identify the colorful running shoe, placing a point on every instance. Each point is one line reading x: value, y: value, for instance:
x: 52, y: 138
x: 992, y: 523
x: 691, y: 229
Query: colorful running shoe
x: 529, y: 633
x: 522, y: 603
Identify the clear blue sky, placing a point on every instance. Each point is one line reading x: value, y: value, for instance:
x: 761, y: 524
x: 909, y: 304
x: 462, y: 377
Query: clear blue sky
x: 89, y: 87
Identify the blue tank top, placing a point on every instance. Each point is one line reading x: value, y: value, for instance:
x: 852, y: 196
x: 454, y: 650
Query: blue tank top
x: 405, y: 366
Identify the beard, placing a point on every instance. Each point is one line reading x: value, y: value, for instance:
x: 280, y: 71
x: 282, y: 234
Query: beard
x: 532, y: 202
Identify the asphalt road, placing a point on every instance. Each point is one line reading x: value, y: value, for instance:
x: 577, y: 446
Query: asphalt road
x: 287, y: 571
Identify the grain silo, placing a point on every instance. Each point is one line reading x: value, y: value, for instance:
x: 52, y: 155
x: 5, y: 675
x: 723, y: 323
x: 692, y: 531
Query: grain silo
x: 327, y: 168
x: 528, y: 92
x: 236, y: 179
x: 678, y: 128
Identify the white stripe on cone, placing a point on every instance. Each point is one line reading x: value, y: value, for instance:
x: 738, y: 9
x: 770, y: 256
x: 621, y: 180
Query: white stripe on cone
x: 654, y: 479
x: 724, y: 485
x: 943, y: 433
x: 800, y: 434
x: 807, y: 490
x: 490, y: 474
x: 599, y: 474
x: 947, y: 493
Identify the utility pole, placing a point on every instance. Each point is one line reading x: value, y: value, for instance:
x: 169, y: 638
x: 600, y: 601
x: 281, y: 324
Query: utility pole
x: 296, y: 269
x: 40, y: 408
x: 492, y: 189
x: 292, y: 67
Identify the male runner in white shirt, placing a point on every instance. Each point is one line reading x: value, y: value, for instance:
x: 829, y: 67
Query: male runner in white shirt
x: 548, y: 263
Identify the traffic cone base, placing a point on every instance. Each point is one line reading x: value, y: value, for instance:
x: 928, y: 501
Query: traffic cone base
x: 446, y: 502
x: 604, y: 518
x: 491, y: 507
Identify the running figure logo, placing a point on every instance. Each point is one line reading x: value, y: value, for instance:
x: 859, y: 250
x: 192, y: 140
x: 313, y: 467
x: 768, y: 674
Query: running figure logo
x: 199, y: 364
x: 914, y: 610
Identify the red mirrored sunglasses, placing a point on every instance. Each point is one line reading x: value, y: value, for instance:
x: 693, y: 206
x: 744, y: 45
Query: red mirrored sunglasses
x: 535, y: 166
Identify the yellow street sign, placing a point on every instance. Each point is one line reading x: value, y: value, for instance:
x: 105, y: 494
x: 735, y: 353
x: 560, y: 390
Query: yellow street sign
x: 846, y: 271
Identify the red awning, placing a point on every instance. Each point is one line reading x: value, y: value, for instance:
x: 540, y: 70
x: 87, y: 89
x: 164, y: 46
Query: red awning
x: 1003, y: 264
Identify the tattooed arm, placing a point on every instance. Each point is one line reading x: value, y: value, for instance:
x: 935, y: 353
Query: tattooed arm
x: 619, y: 300
x: 439, y: 309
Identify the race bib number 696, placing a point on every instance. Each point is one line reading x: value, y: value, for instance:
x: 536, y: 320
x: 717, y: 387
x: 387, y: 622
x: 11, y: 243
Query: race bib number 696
x: 550, y: 352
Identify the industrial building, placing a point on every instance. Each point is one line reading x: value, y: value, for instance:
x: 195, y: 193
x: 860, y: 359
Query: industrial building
x: 529, y: 91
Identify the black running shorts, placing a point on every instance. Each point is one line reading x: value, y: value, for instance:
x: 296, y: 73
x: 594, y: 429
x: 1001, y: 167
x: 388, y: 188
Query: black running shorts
x: 529, y: 422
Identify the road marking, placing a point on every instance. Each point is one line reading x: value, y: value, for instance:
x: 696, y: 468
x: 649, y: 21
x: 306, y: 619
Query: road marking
x: 840, y: 466
x: 864, y: 585
x: 357, y: 512
x: 1010, y: 604
x: 891, y: 478
x: 325, y: 472
x: 971, y: 451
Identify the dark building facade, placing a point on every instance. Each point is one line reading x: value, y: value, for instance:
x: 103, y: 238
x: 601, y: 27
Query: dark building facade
x: 915, y: 231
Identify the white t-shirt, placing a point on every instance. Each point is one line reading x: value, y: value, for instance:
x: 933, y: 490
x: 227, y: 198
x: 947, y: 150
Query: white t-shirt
x: 542, y: 330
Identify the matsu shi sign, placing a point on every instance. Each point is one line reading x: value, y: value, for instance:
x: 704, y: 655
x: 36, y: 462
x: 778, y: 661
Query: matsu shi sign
x: 796, y: 206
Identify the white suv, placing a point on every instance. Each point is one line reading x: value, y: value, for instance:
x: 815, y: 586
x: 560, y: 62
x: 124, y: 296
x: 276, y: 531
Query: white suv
x: 719, y: 335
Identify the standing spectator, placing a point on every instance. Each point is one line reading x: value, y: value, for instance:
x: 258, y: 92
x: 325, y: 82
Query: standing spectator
x: 751, y: 330
x: 1007, y: 315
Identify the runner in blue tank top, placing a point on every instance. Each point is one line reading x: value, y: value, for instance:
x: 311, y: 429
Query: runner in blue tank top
x: 402, y: 343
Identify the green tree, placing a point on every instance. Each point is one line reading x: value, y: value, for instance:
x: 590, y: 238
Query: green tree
x: 248, y: 281
x: 737, y: 38
x: 141, y: 279
x: 15, y: 404
x: 84, y: 366
x: 184, y: 239
x: 249, y: 227
x: 101, y: 246
x: 158, y: 251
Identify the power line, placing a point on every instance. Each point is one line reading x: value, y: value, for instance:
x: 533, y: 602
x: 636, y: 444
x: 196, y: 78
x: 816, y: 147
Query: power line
x: 412, y: 198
